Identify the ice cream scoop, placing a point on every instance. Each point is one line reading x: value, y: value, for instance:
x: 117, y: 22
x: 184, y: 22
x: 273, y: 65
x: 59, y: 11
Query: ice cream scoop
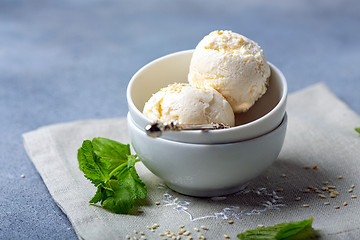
x: 233, y: 65
x: 185, y: 104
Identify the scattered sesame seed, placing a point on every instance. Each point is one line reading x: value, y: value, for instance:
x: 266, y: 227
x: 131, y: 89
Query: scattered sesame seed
x: 339, y: 177
x: 226, y: 236
x: 189, y: 237
x: 310, y: 187
x: 297, y: 199
x: 153, y: 230
x: 345, y: 204
x: 148, y: 227
x: 22, y: 175
x: 196, y: 229
x: 279, y: 189
x: 315, y: 167
x: 330, y: 191
x: 135, y: 232
x: 325, y: 182
x: 333, y: 195
x: 307, y: 167
x: 181, y: 232
x: 324, y: 188
x: 260, y: 226
x: 230, y: 222
x: 162, y: 234
x: 326, y: 203
x: 306, y: 190
x: 141, y: 233
x: 140, y: 211
x: 157, y: 203
x: 336, y: 192
x: 306, y: 205
x: 204, y: 228
x: 322, y: 195
x: 353, y: 196
x: 128, y: 237
x: 336, y: 207
x: 331, y: 187
x: 353, y: 186
x: 350, y: 190
x: 143, y: 238
x: 283, y: 175
x: 318, y: 191
x: 181, y: 226
x: 187, y: 233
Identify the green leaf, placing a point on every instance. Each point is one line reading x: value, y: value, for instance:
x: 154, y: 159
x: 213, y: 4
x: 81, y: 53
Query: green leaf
x: 128, y: 176
x: 357, y: 129
x: 119, y: 197
x: 114, y: 152
x: 93, y: 167
x: 282, y: 231
x: 99, y: 195
x: 110, y: 166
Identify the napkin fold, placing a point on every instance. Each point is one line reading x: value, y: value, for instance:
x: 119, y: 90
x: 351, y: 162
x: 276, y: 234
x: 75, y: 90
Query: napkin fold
x: 320, y: 135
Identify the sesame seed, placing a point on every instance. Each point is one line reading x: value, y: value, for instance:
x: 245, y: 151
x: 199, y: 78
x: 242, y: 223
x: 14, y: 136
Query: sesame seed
x: 283, y: 175
x: 353, y: 186
x: 307, y: 167
x: 260, y: 226
x: 279, y: 189
x: 196, y: 229
x: 336, y: 207
x: 353, y: 196
x: 350, y: 190
x: 181, y: 226
x: 226, y: 236
x: 322, y: 195
x: 333, y: 195
x: 297, y: 199
x: 22, y: 175
x: 141, y: 233
x: 315, y: 167
x: 324, y: 188
x: 140, y: 211
x: 204, y: 228
x: 325, y: 182
x: 306, y: 205
x: 181, y: 232
x: 230, y: 222
x: 326, y: 203
x: 306, y: 190
x: 157, y: 203
x: 318, y: 191
x: 339, y: 177
x: 189, y: 237
x: 331, y: 187
x: 310, y: 187
x: 143, y: 238
x: 135, y: 232
x: 330, y: 191
x: 162, y: 234
x: 128, y: 237
x: 187, y: 233
x: 148, y: 227
x: 336, y: 192
x: 345, y: 204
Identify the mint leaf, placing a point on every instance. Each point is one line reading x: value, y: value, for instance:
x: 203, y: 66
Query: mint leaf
x: 110, y: 166
x: 114, y: 152
x: 94, y: 168
x: 282, y: 231
x: 357, y: 129
x: 119, y: 198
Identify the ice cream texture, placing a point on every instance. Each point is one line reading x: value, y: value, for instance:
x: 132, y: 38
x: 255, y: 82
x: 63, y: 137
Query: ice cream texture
x: 233, y: 65
x: 185, y: 104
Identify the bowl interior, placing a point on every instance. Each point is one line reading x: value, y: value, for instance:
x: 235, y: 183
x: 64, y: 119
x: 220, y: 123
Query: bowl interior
x: 174, y: 68
x: 169, y: 70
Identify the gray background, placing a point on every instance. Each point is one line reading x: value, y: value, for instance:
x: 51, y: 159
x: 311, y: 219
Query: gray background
x: 62, y: 61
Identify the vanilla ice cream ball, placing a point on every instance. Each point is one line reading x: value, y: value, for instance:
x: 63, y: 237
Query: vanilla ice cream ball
x: 189, y: 105
x: 233, y: 65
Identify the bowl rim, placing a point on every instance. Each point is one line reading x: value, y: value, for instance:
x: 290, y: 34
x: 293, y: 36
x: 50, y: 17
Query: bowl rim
x: 281, y: 102
x: 277, y: 128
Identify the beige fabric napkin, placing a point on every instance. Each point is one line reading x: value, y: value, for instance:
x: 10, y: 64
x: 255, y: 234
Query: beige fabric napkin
x: 320, y: 133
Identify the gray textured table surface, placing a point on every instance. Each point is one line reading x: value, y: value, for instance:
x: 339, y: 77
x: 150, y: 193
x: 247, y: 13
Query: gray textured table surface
x: 71, y: 60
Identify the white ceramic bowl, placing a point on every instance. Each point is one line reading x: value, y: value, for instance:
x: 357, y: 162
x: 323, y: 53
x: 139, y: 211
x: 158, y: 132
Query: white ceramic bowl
x: 264, y: 116
x: 207, y: 170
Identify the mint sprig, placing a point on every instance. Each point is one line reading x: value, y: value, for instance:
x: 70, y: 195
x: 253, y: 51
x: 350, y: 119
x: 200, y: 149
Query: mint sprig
x: 289, y: 231
x: 110, y: 166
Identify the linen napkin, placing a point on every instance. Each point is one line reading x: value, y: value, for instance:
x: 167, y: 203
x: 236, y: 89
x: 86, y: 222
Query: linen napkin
x: 321, y: 153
